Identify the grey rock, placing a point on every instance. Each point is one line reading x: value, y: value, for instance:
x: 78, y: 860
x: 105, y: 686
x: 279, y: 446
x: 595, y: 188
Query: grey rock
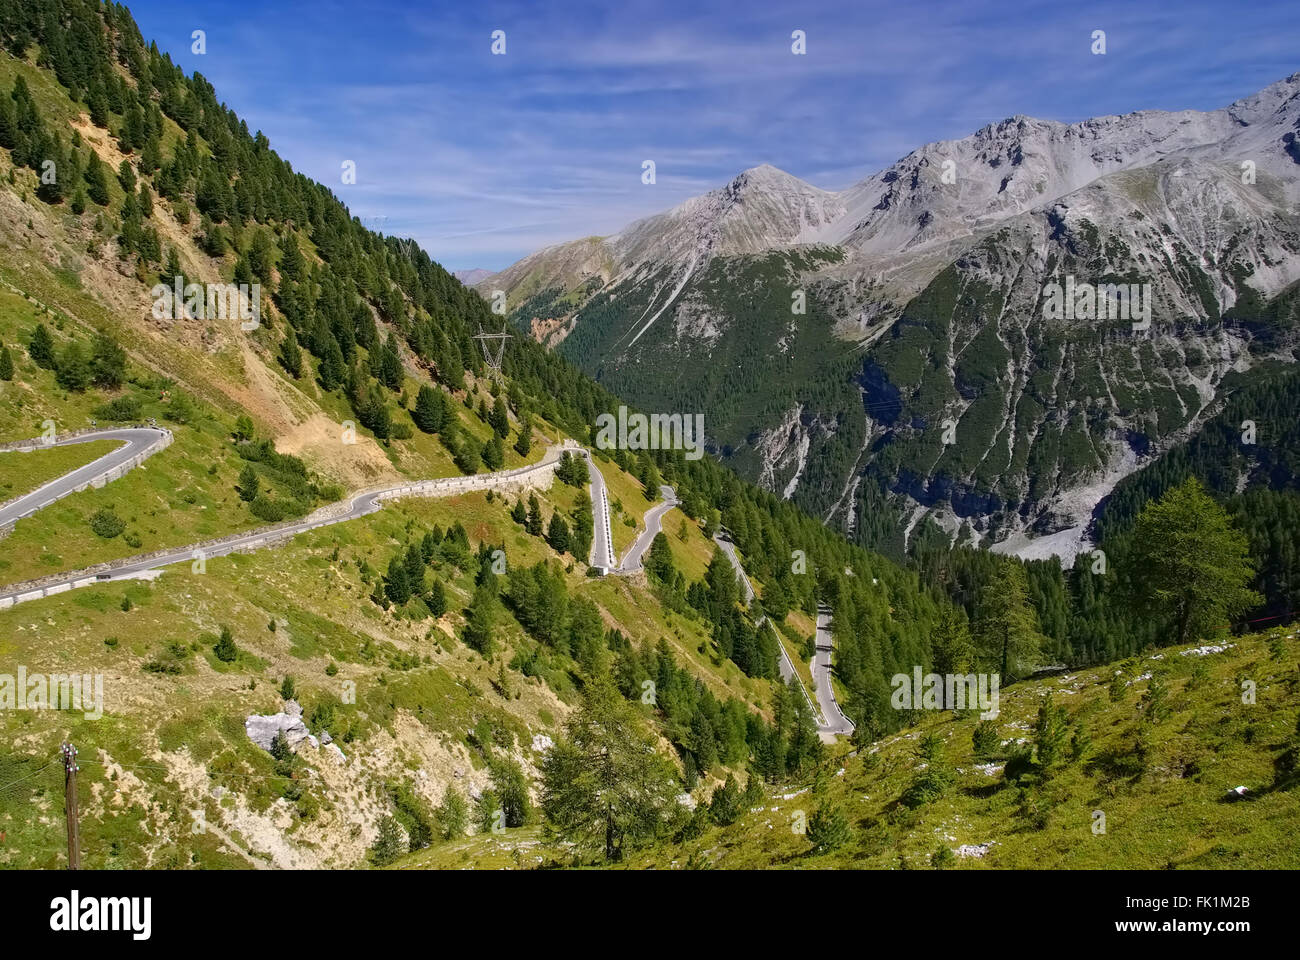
x: 262, y: 728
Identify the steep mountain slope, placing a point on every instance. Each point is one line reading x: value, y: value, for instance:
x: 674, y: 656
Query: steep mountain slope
x: 432, y: 661
x: 827, y: 337
x: 1094, y: 788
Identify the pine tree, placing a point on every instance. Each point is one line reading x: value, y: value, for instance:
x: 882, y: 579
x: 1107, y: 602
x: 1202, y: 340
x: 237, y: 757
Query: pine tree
x: 512, y: 790
x: 107, y: 363
x: 557, y: 534
x: 534, y: 525
x: 390, y: 844
x: 225, y: 649
x: 659, y: 560
x: 950, y: 645
x: 1006, y: 630
x: 1051, y: 733
x: 248, y: 484
x: 493, y: 455
x: 453, y: 814
x: 499, y: 418
x: 96, y: 180
x: 606, y: 785
x: 436, y: 601
x: 583, y: 526
x: 480, y: 619
x: 41, y: 348
x: 6, y: 364
x: 397, y: 584
x: 72, y: 372
x: 291, y: 355
x: 828, y: 828
x: 524, y: 443
x: 428, y: 409
x: 724, y: 805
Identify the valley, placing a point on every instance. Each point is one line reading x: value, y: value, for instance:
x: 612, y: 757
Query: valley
x: 361, y: 581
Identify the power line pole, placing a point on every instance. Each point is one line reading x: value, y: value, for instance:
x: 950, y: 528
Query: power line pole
x: 70, y: 769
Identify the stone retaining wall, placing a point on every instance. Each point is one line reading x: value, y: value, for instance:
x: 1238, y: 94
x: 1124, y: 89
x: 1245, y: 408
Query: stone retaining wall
x: 107, y: 476
x: 535, y: 476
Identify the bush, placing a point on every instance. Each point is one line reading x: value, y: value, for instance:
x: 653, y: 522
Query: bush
x: 123, y: 409
x: 264, y: 508
x: 943, y: 858
x: 107, y: 524
x: 984, y: 740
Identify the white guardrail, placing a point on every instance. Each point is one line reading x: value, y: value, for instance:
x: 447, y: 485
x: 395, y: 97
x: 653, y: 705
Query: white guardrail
x: 236, y: 543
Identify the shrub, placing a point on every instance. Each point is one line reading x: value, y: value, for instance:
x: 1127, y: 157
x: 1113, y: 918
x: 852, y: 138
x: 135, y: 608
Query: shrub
x: 122, y: 409
x: 107, y: 524
x: 264, y: 508
x: 984, y: 740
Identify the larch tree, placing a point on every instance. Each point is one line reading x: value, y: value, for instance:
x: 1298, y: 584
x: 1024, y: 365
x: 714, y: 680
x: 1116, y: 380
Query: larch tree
x: 1190, y: 562
x: 605, y: 784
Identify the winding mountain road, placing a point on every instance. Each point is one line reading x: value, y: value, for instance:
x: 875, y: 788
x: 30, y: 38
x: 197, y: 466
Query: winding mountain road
x: 137, y: 442
x: 837, y: 723
x: 831, y: 721
x: 653, y: 519
x: 602, y: 541
x: 140, y: 442
x: 358, y: 505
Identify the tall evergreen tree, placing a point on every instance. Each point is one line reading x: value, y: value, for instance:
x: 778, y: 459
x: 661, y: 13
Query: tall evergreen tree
x: 428, y: 409
x: 1190, y: 563
x: 41, y: 348
x: 605, y: 785
x: 1006, y: 632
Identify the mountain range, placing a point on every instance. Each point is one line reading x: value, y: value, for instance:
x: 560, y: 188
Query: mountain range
x: 881, y: 354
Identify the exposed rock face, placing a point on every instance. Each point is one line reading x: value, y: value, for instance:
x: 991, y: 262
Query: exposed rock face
x: 923, y: 289
x: 262, y: 728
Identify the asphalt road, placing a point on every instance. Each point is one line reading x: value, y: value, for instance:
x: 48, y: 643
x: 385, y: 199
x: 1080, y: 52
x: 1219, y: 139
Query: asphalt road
x: 653, y: 520
x: 836, y: 722
x: 602, y: 549
x: 359, y: 505
x: 827, y: 707
x: 134, y: 440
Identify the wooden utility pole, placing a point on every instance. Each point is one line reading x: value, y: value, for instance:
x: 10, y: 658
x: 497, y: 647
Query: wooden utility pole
x: 70, y: 804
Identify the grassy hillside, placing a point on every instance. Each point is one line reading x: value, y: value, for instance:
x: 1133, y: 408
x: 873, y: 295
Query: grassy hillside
x: 429, y: 711
x: 1161, y: 776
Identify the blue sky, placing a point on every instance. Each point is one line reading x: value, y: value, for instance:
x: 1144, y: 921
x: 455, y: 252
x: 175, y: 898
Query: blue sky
x: 484, y: 158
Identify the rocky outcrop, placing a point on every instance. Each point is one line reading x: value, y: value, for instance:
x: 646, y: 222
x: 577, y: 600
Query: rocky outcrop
x: 262, y: 729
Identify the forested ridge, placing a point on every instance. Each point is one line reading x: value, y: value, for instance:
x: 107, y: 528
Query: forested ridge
x: 351, y: 307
